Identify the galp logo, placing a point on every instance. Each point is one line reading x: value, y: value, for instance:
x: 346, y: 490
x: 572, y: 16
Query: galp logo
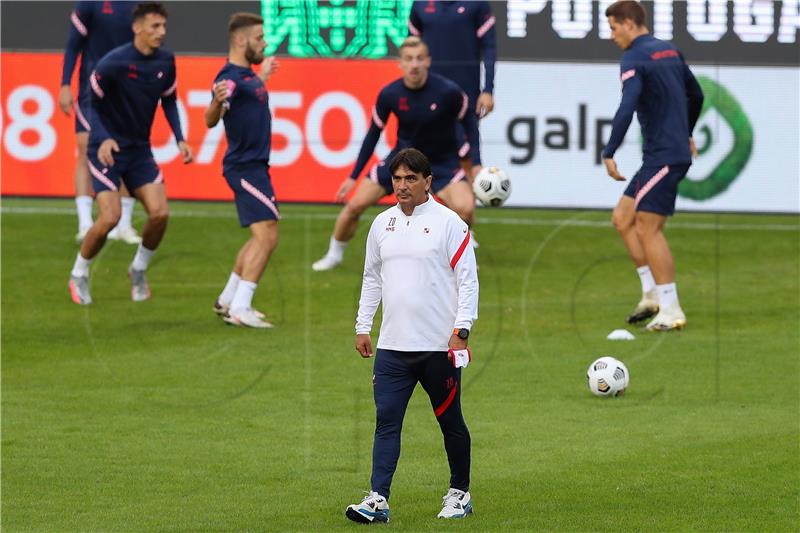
x: 724, y: 140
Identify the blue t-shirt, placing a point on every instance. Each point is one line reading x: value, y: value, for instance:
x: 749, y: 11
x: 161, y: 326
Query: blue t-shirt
x: 658, y: 85
x: 458, y: 35
x: 426, y: 120
x: 96, y: 28
x: 126, y: 88
x: 248, y: 123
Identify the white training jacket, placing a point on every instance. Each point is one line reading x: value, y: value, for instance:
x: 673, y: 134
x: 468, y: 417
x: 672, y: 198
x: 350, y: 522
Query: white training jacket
x: 423, y: 269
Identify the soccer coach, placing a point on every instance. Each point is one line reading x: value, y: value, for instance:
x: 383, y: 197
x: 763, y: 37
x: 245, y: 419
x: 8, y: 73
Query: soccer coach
x: 420, y: 265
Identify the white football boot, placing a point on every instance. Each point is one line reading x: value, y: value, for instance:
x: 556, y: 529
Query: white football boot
x: 647, y: 307
x: 140, y: 290
x: 456, y: 504
x: 373, y: 509
x: 326, y: 263
x: 667, y: 319
x: 246, y: 317
x: 223, y: 309
x: 79, y: 290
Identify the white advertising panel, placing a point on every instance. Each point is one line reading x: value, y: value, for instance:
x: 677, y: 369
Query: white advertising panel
x: 552, y: 119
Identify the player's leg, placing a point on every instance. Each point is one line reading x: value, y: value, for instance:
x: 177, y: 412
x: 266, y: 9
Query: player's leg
x: 83, y: 182
x: 456, y: 193
x: 125, y: 231
x: 369, y: 192
x: 393, y: 383
x: 654, y: 203
x: 442, y: 381
x: 108, y: 215
x: 623, y: 218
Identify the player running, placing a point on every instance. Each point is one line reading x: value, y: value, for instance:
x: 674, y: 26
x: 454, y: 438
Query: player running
x: 658, y: 85
x: 241, y: 100
x: 96, y: 29
x: 127, y: 85
x: 428, y: 107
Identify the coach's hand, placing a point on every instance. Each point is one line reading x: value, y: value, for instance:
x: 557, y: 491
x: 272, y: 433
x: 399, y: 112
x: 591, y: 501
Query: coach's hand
x: 484, y: 105
x: 186, y: 152
x: 105, y: 154
x: 344, y: 189
x: 364, y: 345
x: 611, y: 169
x: 65, y: 101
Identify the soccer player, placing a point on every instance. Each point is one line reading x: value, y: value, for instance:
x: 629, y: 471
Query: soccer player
x: 658, y: 85
x: 96, y: 29
x: 460, y: 35
x: 428, y: 107
x: 127, y: 85
x: 420, y: 266
x: 241, y: 100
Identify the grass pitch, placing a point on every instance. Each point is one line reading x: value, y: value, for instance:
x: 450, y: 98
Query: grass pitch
x: 158, y: 417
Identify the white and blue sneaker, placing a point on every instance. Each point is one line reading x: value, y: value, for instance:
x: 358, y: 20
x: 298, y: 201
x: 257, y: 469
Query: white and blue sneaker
x: 373, y: 508
x: 456, y: 504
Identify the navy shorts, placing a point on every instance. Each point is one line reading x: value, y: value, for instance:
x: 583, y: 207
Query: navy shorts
x: 444, y: 173
x: 654, y: 188
x: 252, y: 190
x: 133, y: 165
x: 81, y: 109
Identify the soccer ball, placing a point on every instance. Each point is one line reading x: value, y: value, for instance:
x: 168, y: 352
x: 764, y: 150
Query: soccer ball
x: 607, y: 377
x: 491, y: 186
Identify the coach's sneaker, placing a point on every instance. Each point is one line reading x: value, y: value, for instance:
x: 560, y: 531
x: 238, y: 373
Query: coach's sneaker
x: 81, y: 235
x: 79, y: 290
x: 647, y: 307
x: 455, y: 504
x: 668, y: 319
x: 140, y: 290
x: 373, y: 508
x: 326, y: 263
x: 247, y: 317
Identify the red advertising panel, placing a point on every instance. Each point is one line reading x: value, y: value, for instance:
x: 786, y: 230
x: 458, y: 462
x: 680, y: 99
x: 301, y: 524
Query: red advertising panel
x: 320, y: 107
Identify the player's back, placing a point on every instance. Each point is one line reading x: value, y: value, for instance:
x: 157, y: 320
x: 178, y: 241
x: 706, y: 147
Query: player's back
x: 662, y: 111
x: 427, y: 116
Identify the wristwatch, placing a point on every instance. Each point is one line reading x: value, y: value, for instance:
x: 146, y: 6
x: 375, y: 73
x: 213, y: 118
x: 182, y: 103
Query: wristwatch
x: 462, y: 333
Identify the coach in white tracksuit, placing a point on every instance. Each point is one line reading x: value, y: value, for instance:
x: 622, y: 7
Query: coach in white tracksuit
x: 420, y: 264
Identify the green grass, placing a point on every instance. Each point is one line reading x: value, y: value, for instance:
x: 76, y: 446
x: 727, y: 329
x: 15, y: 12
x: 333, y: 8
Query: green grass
x: 158, y: 417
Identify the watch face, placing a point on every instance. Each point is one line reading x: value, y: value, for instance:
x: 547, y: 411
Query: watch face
x: 463, y: 333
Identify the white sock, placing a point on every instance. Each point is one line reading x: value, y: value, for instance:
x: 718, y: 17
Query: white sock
x: 243, y: 299
x: 646, y: 277
x: 336, y: 249
x: 227, y: 294
x: 142, y: 258
x: 83, y: 205
x: 81, y: 267
x: 667, y: 295
x: 127, y: 212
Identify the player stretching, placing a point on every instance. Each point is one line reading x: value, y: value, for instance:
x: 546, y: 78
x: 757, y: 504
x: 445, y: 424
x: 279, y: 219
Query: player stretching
x: 241, y: 100
x: 428, y: 107
x: 658, y: 85
x: 127, y: 85
x: 96, y: 29
x: 460, y: 35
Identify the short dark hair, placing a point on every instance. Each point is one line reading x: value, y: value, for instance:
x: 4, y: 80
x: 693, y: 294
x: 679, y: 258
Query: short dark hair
x: 243, y: 20
x: 412, y: 159
x: 145, y: 8
x: 628, y: 10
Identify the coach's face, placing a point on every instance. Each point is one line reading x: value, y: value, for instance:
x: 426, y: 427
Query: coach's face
x: 150, y: 30
x: 622, y: 32
x: 411, y: 188
x: 415, y: 63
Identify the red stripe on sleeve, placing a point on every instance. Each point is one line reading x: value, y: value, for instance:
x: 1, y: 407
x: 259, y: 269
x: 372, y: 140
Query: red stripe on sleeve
x: 442, y: 408
x: 460, y: 251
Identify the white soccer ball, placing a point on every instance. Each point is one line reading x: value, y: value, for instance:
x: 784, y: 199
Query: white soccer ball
x: 492, y: 187
x: 607, y: 377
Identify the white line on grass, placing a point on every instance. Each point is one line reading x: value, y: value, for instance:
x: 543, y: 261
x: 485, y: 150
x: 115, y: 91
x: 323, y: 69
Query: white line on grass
x: 506, y: 221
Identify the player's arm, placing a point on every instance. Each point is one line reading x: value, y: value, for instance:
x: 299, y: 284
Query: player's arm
x: 461, y: 256
x: 415, y: 21
x: 101, y: 81
x: 169, y: 103
x: 631, y: 78
x: 487, y: 43
x: 220, y: 94
x: 380, y: 114
x: 694, y: 96
x: 371, y: 288
x: 80, y: 22
x: 460, y: 103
